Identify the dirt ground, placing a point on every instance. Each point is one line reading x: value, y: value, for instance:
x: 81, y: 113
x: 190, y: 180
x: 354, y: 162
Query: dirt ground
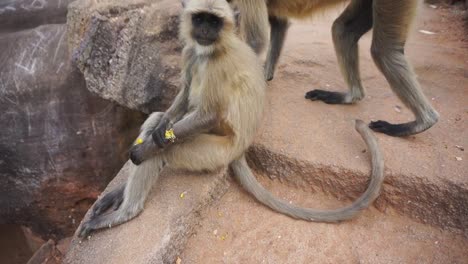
x: 239, y: 230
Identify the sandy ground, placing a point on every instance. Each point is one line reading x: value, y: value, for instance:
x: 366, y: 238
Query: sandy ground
x: 238, y: 230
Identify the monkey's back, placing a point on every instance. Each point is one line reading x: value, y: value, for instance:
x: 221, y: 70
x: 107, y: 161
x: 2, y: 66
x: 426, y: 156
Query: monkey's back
x: 298, y: 8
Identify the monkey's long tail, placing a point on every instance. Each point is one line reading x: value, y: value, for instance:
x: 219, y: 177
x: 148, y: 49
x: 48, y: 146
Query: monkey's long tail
x: 247, y: 179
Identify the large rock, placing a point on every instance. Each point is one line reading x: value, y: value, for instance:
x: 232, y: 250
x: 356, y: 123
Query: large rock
x: 128, y: 51
x: 59, y: 144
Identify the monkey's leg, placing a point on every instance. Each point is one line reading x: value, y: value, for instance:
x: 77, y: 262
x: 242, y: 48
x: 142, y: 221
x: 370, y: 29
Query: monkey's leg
x: 279, y: 28
x: 136, y: 191
x: 391, y: 25
x: 254, y: 23
x: 200, y: 153
x: 347, y: 29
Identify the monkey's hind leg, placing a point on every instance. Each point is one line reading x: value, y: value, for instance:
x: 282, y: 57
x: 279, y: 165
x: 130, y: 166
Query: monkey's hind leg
x: 391, y: 25
x: 204, y: 152
x: 279, y: 28
x: 347, y: 29
x: 131, y: 199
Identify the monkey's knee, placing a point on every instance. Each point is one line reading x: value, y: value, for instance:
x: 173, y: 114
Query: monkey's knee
x: 348, y: 32
x: 388, y: 57
x: 152, y: 121
x: 338, y: 30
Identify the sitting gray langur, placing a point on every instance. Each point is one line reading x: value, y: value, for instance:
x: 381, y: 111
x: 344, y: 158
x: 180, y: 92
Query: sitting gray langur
x: 211, y: 123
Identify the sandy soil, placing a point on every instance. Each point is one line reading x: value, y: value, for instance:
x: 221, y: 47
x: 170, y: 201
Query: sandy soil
x: 238, y: 230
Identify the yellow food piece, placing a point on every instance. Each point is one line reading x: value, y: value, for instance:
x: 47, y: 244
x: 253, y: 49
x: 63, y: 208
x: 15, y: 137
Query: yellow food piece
x: 138, y: 141
x: 169, y: 134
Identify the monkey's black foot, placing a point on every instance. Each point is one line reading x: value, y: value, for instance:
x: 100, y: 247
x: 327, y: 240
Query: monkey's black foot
x: 112, y: 199
x: 269, y: 75
x: 326, y: 96
x: 268, y: 72
x: 394, y: 130
x: 86, y: 229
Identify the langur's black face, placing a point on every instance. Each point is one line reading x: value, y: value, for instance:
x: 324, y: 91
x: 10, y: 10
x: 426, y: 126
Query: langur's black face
x: 206, y: 28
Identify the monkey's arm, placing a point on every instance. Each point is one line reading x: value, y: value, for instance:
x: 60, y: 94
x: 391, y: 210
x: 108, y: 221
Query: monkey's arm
x: 179, y: 107
x: 194, y: 123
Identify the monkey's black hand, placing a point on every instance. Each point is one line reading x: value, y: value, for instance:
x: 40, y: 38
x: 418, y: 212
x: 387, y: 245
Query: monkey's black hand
x: 159, y: 134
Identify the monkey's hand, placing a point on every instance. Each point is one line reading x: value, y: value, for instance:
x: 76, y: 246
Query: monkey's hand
x: 159, y: 134
x: 143, y: 149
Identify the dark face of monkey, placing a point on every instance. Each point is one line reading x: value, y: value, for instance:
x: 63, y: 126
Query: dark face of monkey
x: 206, y: 28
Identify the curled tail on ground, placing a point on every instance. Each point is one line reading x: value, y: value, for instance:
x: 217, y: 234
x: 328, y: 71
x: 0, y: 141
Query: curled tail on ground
x: 244, y: 174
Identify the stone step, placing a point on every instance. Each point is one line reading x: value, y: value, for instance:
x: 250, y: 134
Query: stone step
x: 160, y: 232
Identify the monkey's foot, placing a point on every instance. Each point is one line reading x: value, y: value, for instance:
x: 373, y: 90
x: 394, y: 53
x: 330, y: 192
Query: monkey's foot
x: 112, y: 199
x: 394, y: 130
x: 85, y: 230
x: 109, y: 220
x: 400, y: 130
x: 326, y: 96
x: 269, y: 71
x: 269, y: 74
x: 93, y: 224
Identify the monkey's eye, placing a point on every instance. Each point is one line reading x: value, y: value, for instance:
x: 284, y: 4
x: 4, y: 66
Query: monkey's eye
x: 197, y: 19
x: 214, y: 22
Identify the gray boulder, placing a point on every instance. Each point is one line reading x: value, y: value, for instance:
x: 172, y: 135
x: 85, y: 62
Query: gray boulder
x: 128, y: 51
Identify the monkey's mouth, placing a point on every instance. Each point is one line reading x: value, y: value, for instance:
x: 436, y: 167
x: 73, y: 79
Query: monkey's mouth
x: 205, y: 41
